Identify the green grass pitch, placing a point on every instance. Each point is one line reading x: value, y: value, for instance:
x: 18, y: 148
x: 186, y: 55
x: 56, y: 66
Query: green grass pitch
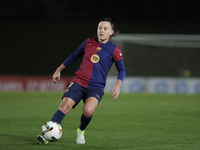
x: 132, y: 122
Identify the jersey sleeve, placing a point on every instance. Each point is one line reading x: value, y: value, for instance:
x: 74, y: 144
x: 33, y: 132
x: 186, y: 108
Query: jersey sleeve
x: 76, y: 55
x: 121, y: 69
x: 117, y: 55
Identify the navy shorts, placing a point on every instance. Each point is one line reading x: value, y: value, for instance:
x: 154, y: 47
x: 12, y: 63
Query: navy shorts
x: 77, y: 93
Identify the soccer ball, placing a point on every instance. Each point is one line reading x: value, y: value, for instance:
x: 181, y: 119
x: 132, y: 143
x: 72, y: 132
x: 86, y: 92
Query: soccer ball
x: 51, y: 131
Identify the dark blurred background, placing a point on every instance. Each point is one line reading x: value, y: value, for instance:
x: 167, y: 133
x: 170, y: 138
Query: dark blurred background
x: 38, y: 35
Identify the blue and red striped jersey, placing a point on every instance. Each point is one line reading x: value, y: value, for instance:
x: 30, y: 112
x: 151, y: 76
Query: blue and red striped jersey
x: 97, y: 61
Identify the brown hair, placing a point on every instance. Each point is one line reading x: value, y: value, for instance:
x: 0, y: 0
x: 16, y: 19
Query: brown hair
x: 112, y: 25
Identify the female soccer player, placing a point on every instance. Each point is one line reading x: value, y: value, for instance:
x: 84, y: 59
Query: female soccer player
x: 90, y: 78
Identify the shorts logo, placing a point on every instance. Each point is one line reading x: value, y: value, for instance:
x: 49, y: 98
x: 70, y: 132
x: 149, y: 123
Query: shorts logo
x: 98, y: 48
x: 95, y: 58
x: 98, y: 96
x: 66, y: 90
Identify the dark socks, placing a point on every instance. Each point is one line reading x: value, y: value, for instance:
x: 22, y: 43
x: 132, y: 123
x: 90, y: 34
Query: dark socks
x: 58, y: 116
x: 84, y: 122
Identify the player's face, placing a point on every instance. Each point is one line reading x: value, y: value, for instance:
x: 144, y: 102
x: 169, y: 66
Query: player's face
x: 104, y: 31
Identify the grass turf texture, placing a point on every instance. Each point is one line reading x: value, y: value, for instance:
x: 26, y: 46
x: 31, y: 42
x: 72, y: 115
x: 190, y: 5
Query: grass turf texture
x: 133, y: 121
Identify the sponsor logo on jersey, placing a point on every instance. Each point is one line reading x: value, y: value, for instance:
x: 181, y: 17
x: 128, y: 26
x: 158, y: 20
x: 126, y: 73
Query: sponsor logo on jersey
x: 95, y: 58
x: 98, y: 48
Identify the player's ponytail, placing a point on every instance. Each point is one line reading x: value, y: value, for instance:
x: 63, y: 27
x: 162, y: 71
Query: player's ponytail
x: 112, y: 25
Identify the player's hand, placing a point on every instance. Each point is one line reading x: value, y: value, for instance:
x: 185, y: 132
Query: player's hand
x: 56, y: 76
x: 115, y: 91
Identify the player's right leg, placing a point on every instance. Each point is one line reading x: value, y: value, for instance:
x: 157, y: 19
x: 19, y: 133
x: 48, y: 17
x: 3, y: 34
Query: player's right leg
x: 65, y: 107
x: 72, y: 96
x: 41, y: 139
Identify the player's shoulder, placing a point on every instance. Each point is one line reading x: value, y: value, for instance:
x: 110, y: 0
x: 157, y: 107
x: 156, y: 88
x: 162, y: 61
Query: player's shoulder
x: 88, y: 41
x: 113, y: 45
x: 92, y: 41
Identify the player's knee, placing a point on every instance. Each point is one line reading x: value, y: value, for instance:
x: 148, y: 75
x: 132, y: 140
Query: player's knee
x: 88, y: 112
x: 64, y: 108
x: 66, y: 105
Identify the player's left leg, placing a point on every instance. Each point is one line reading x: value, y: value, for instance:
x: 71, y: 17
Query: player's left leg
x: 89, y: 108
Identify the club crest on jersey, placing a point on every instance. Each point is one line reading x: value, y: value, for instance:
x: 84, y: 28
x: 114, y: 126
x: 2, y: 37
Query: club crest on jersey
x: 95, y: 58
x: 98, y: 48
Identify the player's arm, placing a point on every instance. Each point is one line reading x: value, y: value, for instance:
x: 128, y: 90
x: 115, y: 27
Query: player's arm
x: 76, y: 55
x: 73, y: 57
x: 121, y: 74
x: 117, y: 55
